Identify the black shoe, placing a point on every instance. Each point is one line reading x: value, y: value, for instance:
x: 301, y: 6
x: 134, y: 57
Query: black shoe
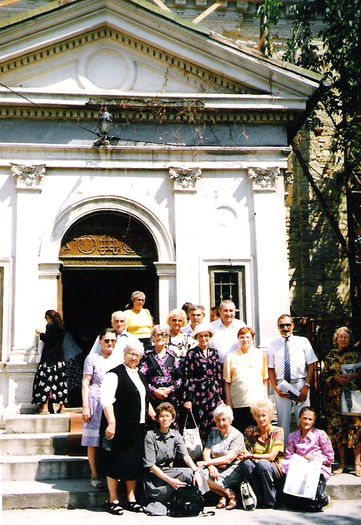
x: 133, y: 506
x: 114, y: 508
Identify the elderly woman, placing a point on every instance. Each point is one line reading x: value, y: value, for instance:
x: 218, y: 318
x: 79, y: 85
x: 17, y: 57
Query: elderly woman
x: 125, y: 400
x: 202, y: 383
x: 179, y: 341
x: 220, y: 454
x: 161, y: 448
x: 50, y: 381
x: 95, y: 367
x: 344, y: 431
x: 161, y: 367
x: 245, y: 374
x: 310, y: 443
x: 139, y: 320
x: 260, y: 463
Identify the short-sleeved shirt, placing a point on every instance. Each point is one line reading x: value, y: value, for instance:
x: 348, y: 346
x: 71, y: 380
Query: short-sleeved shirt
x: 301, y: 354
x: 225, y: 336
x: 161, y: 449
x: 246, y: 372
x: 220, y: 445
x: 275, y: 441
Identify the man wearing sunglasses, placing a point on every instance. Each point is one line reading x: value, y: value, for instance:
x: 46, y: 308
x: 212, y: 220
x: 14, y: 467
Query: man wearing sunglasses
x: 290, y: 358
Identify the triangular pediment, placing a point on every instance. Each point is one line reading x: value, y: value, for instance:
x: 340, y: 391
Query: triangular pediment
x: 130, y: 46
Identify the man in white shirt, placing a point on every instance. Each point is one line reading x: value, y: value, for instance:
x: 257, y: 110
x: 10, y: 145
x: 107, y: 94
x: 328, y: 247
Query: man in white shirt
x: 226, y: 329
x: 197, y: 313
x: 290, y: 358
x: 119, y: 323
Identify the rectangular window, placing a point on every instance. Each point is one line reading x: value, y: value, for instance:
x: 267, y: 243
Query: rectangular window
x: 228, y: 282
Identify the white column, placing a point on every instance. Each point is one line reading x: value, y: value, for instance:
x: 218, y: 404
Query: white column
x: 271, y: 266
x: 167, y: 288
x: 26, y: 288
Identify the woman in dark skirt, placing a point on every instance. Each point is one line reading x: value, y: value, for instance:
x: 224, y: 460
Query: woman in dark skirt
x: 50, y: 381
x: 125, y: 400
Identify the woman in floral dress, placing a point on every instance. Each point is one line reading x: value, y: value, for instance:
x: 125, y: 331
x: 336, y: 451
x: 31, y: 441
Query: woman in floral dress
x: 202, y: 384
x: 344, y: 431
x: 161, y: 367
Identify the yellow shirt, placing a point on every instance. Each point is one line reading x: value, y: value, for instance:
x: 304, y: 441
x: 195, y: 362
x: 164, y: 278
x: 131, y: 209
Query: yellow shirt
x: 246, y: 373
x: 139, y: 324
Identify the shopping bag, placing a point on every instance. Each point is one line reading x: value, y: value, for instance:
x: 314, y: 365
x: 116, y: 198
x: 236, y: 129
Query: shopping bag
x: 302, y: 477
x: 192, y: 439
x: 351, y: 402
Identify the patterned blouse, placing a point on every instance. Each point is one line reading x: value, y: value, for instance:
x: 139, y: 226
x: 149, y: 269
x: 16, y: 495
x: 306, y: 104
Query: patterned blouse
x: 332, y: 367
x: 274, y: 442
x: 161, y: 371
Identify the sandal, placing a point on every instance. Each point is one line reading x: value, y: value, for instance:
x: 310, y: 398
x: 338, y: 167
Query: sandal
x: 222, y: 503
x: 340, y: 469
x: 113, y: 507
x: 358, y: 470
x: 133, y: 506
x: 232, y: 504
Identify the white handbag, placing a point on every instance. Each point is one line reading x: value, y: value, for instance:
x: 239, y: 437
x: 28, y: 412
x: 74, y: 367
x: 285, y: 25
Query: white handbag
x: 192, y: 439
x: 351, y: 403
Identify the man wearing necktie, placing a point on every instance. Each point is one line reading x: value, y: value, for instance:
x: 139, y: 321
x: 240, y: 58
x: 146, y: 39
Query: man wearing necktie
x: 291, y: 358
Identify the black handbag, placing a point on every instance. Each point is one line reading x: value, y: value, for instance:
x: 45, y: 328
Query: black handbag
x: 309, y: 505
x: 186, y: 501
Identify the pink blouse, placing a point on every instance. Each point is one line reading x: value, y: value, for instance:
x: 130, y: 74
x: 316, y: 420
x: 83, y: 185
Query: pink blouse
x: 316, y: 445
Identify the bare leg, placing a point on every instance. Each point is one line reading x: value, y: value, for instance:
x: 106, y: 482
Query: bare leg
x: 93, y: 462
x: 342, y: 464
x: 113, y: 490
x: 131, y: 486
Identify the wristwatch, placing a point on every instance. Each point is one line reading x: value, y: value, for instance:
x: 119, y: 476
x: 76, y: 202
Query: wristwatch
x: 308, y: 384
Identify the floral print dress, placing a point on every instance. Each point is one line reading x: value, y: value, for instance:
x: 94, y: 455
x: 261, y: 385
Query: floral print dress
x: 341, y: 429
x: 202, y: 386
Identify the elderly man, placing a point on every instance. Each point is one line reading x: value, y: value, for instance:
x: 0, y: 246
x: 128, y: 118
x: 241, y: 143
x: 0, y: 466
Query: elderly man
x: 226, y: 329
x: 290, y: 358
x: 197, y: 313
x: 119, y: 323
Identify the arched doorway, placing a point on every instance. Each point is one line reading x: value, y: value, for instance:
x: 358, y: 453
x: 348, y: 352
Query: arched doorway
x: 105, y: 257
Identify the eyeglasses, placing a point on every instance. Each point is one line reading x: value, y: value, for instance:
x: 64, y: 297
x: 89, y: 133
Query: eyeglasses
x: 160, y: 334
x: 285, y: 325
x: 138, y: 299
x: 110, y: 341
x: 177, y: 320
x: 136, y: 356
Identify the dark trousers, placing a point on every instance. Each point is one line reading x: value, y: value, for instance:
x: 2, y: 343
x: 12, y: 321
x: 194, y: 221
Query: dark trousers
x: 242, y: 418
x: 263, y: 476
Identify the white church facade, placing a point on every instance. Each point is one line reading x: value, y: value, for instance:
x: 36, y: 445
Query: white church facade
x: 182, y: 199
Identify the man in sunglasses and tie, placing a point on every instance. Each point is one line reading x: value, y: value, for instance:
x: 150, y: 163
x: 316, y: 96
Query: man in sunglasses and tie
x: 290, y: 358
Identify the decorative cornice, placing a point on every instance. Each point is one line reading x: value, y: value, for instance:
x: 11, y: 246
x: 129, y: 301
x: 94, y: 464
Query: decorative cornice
x: 199, y: 74
x: 263, y: 179
x: 28, y: 178
x: 185, y: 179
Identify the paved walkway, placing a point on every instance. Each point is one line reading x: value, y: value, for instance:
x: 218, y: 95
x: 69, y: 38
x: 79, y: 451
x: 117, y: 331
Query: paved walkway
x: 339, y: 512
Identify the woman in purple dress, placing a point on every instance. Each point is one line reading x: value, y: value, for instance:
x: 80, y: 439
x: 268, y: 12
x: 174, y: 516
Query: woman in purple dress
x: 202, y: 383
x: 95, y: 367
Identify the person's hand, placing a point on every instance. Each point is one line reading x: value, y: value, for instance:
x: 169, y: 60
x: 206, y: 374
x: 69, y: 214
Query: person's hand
x: 303, y: 394
x: 342, y: 380
x: 280, y: 393
x: 197, y: 479
x: 110, y: 431
x: 213, y: 472
x: 85, y: 414
x: 188, y: 405
x: 159, y: 393
x: 176, y: 483
x: 242, y: 456
x: 38, y: 332
x: 200, y: 464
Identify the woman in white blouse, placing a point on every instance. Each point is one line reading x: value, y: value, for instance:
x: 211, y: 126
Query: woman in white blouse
x: 125, y: 401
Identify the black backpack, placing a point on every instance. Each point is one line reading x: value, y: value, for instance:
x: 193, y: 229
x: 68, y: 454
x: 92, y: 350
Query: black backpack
x: 186, y: 501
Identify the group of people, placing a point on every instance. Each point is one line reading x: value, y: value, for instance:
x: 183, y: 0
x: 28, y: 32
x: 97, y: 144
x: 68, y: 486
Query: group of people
x: 140, y: 380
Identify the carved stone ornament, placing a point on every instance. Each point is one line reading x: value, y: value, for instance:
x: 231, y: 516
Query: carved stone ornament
x: 264, y: 178
x: 28, y: 177
x: 185, y: 179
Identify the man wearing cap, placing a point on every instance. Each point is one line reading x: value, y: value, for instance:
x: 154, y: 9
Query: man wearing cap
x: 226, y: 329
x: 290, y: 358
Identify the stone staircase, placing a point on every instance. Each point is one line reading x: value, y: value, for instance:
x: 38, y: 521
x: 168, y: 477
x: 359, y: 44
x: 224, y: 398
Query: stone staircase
x: 43, y: 465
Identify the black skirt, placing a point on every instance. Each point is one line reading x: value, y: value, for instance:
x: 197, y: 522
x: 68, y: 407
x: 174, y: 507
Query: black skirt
x: 127, y: 453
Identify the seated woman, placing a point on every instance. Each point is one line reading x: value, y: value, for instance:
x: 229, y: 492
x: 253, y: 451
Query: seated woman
x: 161, y: 448
x: 220, y: 454
x: 260, y: 464
x: 312, y: 444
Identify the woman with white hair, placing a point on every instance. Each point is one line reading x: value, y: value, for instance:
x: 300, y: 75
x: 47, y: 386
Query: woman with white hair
x: 260, y: 463
x: 220, y: 454
x: 125, y: 401
x: 179, y: 342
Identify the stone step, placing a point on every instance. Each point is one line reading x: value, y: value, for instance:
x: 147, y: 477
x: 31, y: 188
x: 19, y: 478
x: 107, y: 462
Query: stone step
x: 33, y: 444
x: 16, y: 468
x: 36, y: 423
x: 75, y: 493
x: 344, y: 486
